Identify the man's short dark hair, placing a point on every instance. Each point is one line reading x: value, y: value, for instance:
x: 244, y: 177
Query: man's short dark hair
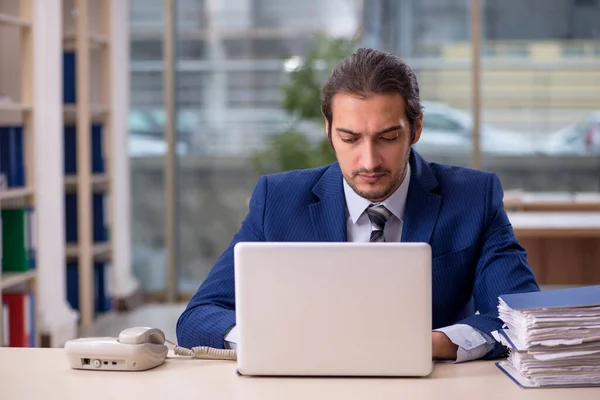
x: 368, y: 72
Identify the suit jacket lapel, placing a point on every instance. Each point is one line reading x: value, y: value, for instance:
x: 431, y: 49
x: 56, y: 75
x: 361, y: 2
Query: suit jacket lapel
x: 422, y: 202
x: 328, y: 215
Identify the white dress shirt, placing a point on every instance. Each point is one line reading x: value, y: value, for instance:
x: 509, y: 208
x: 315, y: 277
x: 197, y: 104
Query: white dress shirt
x: 472, y: 344
x: 358, y: 225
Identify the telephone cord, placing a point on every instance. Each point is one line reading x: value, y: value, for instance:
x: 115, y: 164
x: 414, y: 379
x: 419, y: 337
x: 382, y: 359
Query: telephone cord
x: 205, y: 352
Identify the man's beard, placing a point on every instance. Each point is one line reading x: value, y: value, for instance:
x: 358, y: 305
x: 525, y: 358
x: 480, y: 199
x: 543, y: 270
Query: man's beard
x: 388, y: 189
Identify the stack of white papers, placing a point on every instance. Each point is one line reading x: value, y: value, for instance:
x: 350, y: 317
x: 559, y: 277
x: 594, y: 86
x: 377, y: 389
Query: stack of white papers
x: 553, y: 337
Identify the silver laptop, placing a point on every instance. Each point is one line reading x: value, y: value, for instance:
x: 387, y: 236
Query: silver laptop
x: 333, y: 309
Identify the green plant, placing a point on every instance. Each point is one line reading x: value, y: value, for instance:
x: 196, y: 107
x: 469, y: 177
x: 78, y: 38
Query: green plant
x: 291, y: 149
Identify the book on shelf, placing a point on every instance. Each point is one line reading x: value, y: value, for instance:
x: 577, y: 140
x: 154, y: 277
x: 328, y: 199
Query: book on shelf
x: 18, y: 239
x: 101, y: 277
x: 19, y: 318
x: 552, y: 336
x: 12, y: 167
x: 6, y: 325
x: 31, y: 316
x: 69, y: 77
x: 70, y: 149
x: 1, y: 243
x: 99, y: 220
x: 31, y: 237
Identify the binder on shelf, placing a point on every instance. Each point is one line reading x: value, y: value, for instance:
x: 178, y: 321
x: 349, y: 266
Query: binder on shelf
x: 102, y: 300
x: 14, y: 240
x: 70, y: 150
x: 5, y: 327
x: 19, y: 318
x: 99, y: 218
x: 31, y: 237
x: 4, y: 157
x: 553, y: 337
x: 100, y: 229
x: 12, y: 165
x: 69, y: 78
x: 3, y: 167
x: 1, y: 243
x: 97, y: 149
x: 71, y: 217
x: 32, y: 326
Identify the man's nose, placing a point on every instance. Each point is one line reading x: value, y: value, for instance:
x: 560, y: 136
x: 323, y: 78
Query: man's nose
x: 370, y: 157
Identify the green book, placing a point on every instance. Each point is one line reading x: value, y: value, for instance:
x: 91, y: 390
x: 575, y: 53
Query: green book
x: 14, y: 251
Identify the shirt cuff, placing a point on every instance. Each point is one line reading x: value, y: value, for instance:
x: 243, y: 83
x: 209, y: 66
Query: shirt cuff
x: 231, y: 338
x: 472, y: 343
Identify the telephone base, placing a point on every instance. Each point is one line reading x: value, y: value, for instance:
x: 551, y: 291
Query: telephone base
x: 108, y: 354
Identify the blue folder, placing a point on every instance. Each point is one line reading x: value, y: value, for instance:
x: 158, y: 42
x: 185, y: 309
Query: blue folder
x: 70, y: 150
x: 69, y: 77
x: 572, y: 297
x: 12, y: 155
x: 102, y: 300
x: 526, y: 383
x: 99, y: 220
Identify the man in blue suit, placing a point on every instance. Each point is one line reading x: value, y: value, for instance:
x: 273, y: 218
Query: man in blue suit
x: 380, y: 189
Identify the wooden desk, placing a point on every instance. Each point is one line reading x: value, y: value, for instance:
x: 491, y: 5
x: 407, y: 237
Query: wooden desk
x: 45, y: 374
x: 552, y: 201
x: 563, y: 247
x: 555, y: 224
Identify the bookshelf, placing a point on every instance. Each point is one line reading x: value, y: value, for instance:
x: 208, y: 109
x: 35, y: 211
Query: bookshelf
x: 15, y: 107
x: 97, y: 38
x: 12, y: 279
x: 15, y: 194
x: 88, y: 161
x: 96, y: 118
x: 18, y: 276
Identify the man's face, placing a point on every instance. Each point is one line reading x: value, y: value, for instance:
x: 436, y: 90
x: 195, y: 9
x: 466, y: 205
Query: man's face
x: 371, y: 139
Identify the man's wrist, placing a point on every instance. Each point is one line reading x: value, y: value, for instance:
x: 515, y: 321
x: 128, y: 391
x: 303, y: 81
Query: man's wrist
x: 442, y: 347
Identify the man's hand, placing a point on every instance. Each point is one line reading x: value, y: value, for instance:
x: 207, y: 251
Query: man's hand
x: 443, y: 348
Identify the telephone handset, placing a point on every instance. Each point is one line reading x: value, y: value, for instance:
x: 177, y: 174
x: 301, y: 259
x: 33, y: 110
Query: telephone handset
x: 136, y: 349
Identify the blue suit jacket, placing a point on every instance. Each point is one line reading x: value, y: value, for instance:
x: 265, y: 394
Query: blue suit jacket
x: 458, y: 211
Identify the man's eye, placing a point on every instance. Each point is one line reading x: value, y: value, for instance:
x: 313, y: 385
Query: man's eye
x: 349, y: 140
x: 389, y: 138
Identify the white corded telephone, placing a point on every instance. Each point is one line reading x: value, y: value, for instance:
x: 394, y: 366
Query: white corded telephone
x: 136, y: 349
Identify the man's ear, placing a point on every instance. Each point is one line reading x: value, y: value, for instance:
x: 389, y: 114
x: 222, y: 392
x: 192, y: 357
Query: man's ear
x: 418, y: 128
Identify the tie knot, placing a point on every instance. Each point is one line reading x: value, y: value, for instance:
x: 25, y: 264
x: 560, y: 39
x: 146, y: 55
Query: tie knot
x: 378, y: 214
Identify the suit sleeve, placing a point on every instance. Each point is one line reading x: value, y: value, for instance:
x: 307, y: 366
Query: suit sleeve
x: 502, y: 267
x: 211, y: 311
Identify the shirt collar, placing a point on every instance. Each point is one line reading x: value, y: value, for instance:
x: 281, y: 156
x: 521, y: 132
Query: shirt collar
x: 395, y: 203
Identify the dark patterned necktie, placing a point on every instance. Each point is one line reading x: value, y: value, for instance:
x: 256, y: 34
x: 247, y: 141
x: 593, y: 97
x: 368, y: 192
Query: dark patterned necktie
x: 378, y: 215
